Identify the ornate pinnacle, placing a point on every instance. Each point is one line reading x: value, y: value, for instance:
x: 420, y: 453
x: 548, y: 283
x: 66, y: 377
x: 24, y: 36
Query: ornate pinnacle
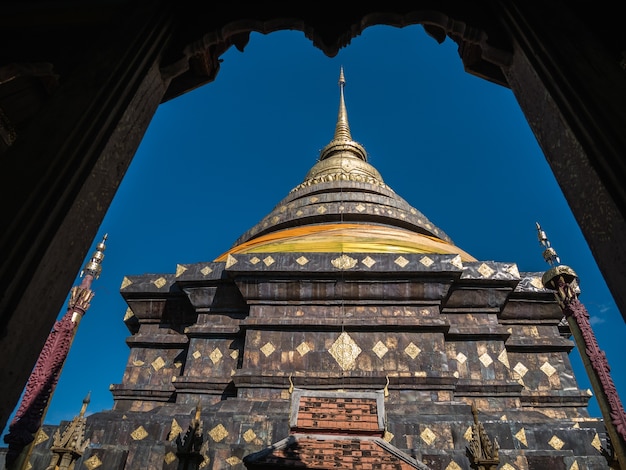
x: 564, y: 282
x: 94, y: 265
x: 342, y: 141
x: 549, y: 253
x: 189, y: 447
x: 551, y: 277
x: 485, y: 455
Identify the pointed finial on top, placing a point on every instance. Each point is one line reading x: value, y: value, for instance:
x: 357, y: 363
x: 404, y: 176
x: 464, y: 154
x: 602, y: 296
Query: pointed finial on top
x: 86, y: 401
x: 549, y: 254
x: 551, y: 277
x: 198, y: 411
x: 342, y: 129
x: 94, y: 266
x: 342, y: 140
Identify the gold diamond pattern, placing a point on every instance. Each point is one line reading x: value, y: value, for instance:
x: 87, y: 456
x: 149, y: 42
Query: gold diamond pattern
x: 453, y: 466
x: 360, y: 207
x: 521, y: 369
x: 521, y: 436
x: 485, y: 359
x: 268, y: 260
x: 345, y: 351
x: 230, y: 261
x: 508, y: 466
x: 468, y: 434
x: 302, y: 260
x: 138, y: 363
x: 206, y: 270
x: 401, y: 261
x: 457, y: 262
x: 218, y: 433
x: 548, y: 369
x: 536, y: 282
x: 428, y: 436
x: 574, y: 466
x: 596, y: 443
x: 125, y: 283
x: 299, y: 212
x: 175, y: 430
x: 233, y: 460
x: 92, y: 462
x: 461, y: 358
x: 387, y: 437
x: 380, y: 349
x: 249, y: 435
x: 426, y: 261
x: 303, y: 348
x: 412, y: 351
x: 503, y: 357
x: 129, y: 314
x: 196, y: 354
x: 169, y: 457
x: 556, y: 443
x: 344, y: 262
x: 254, y: 260
x: 503, y: 418
x: 368, y: 261
x: 216, y: 356
x: 41, y: 437
x: 267, y: 349
x: 160, y: 282
x: 485, y: 270
x: 180, y: 269
x: 139, y: 433
x: 512, y: 270
x: 158, y: 363
x: 234, y: 354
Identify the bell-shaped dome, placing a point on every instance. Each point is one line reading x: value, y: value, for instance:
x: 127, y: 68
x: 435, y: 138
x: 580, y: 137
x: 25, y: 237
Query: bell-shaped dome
x: 343, y: 205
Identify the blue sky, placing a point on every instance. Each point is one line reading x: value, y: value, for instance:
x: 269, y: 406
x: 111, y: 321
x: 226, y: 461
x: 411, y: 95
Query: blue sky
x: 216, y: 160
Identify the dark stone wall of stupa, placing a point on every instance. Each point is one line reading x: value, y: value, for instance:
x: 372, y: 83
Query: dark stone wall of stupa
x: 436, y: 334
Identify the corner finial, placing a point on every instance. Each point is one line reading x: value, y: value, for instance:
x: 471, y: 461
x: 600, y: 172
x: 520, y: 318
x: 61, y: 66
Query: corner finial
x: 550, y: 278
x: 86, y: 401
x: 549, y: 253
x: 94, y: 266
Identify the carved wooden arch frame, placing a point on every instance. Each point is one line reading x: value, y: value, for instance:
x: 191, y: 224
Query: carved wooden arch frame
x: 154, y: 62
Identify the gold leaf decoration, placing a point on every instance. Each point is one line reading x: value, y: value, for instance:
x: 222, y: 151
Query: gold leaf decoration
x: 344, y: 262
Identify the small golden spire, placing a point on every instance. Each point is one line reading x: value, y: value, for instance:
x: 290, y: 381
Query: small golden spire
x: 198, y: 411
x: 549, y: 253
x: 551, y: 276
x: 86, y: 401
x: 342, y: 141
x: 94, y: 266
x: 342, y: 128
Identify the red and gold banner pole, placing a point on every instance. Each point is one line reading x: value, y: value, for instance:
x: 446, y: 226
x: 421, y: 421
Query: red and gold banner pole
x: 45, y: 375
x: 564, y: 281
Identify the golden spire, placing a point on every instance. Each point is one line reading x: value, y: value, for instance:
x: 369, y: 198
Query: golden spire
x: 557, y: 270
x: 86, y: 401
x: 342, y: 129
x: 94, y: 267
x: 342, y: 141
x: 342, y: 159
